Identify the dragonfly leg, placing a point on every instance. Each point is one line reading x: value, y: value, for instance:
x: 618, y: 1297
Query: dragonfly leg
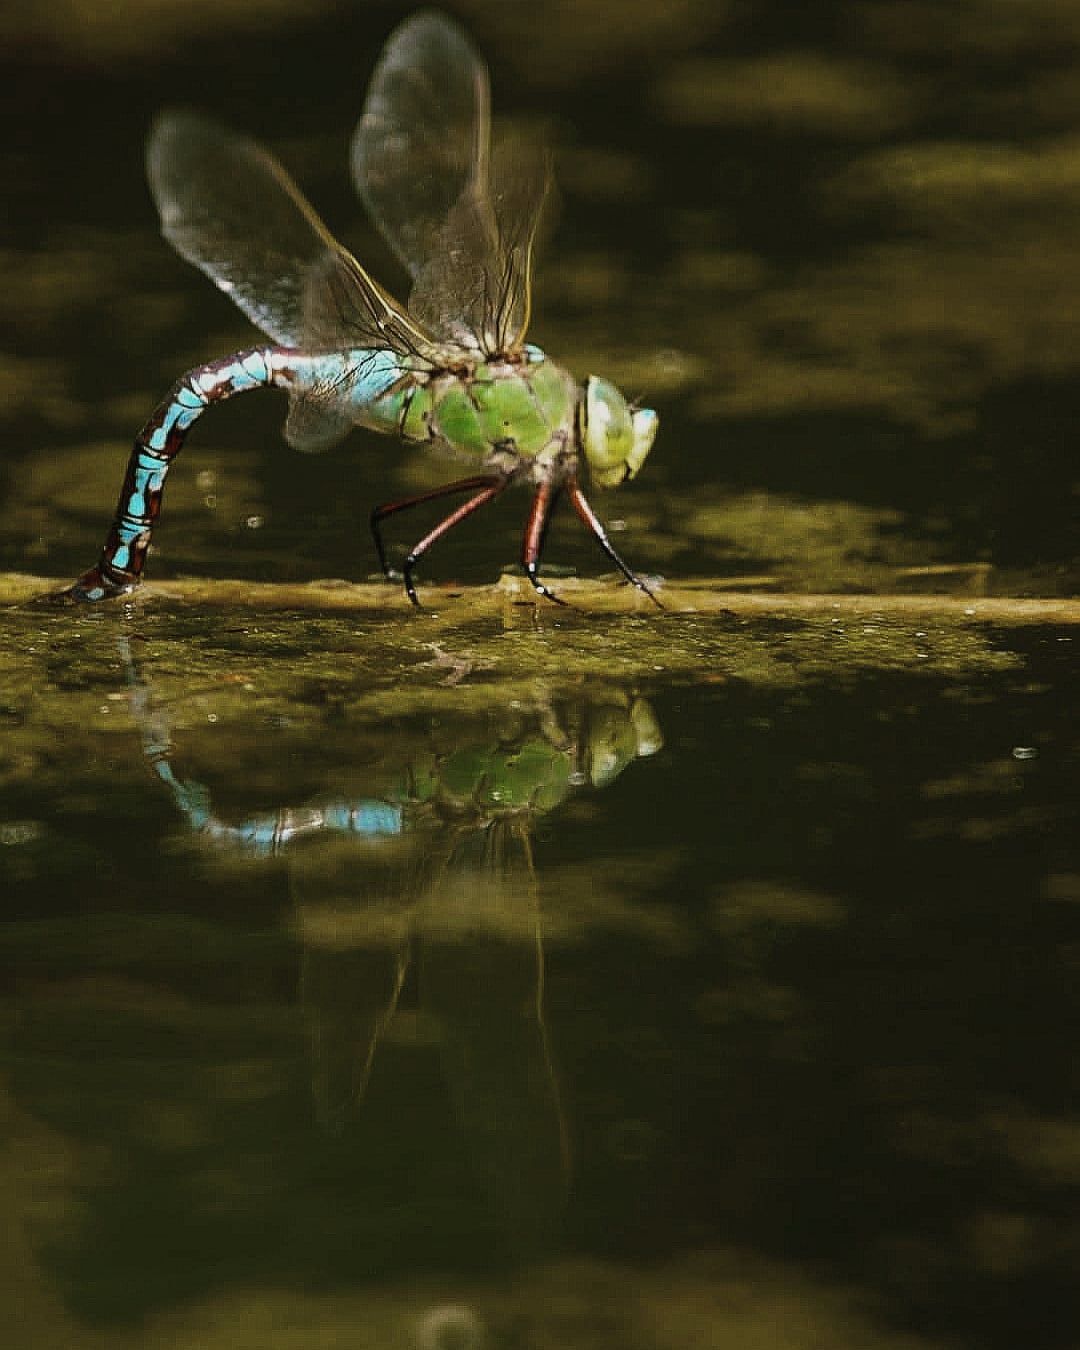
x: 543, y: 503
x: 381, y: 513
x: 592, y: 523
x: 466, y: 509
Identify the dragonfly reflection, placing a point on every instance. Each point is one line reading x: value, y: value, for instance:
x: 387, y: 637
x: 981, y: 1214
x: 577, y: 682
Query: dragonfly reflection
x: 419, y: 910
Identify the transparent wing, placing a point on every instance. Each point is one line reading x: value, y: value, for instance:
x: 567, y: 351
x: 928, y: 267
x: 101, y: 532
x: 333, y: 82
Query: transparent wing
x: 424, y: 128
x: 476, y: 289
x: 344, y: 306
x: 341, y: 300
x: 229, y: 207
x: 421, y: 160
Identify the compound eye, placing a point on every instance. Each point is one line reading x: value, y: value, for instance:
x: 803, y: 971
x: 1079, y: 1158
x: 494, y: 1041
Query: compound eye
x: 607, y: 431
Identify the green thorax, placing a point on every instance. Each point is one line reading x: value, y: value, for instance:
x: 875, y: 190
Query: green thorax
x: 525, y: 407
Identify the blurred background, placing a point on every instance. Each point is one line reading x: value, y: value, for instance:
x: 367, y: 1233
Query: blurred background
x: 800, y: 1066
x: 834, y: 245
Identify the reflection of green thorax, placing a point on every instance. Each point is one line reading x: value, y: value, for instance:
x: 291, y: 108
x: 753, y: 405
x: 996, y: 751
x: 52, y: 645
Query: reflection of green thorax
x: 495, y: 777
x: 524, y: 407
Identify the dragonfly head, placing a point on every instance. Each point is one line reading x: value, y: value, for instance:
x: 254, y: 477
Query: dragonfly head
x: 615, y: 438
x: 618, y: 734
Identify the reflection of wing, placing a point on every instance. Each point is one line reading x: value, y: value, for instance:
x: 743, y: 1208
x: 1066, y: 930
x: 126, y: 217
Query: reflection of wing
x: 349, y: 995
x: 230, y: 208
x: 482, y: 975
x: 463, y: 225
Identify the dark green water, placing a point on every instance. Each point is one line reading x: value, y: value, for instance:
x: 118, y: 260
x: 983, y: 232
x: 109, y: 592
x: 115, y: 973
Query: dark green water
x: 765, y: 1025
x: 713, y: 982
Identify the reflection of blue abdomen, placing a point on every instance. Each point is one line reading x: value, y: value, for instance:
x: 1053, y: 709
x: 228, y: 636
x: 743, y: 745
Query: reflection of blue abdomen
x: 263, y: 836
x: 370, y: 818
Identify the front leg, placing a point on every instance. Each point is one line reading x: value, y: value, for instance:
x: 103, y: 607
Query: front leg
x: 592, y: 523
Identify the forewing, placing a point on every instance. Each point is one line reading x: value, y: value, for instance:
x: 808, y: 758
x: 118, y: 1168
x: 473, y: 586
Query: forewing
x: 341, y: 299
x: 229, y: 207
x: 423, y: 135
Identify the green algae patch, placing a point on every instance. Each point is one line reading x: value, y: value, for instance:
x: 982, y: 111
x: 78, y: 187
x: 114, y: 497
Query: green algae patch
x: 226, y: 657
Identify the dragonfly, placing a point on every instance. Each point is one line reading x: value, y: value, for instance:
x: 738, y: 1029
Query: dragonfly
x: 451, y: 370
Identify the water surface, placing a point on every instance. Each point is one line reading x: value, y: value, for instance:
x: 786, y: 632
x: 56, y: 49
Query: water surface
x: 605, y: 978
